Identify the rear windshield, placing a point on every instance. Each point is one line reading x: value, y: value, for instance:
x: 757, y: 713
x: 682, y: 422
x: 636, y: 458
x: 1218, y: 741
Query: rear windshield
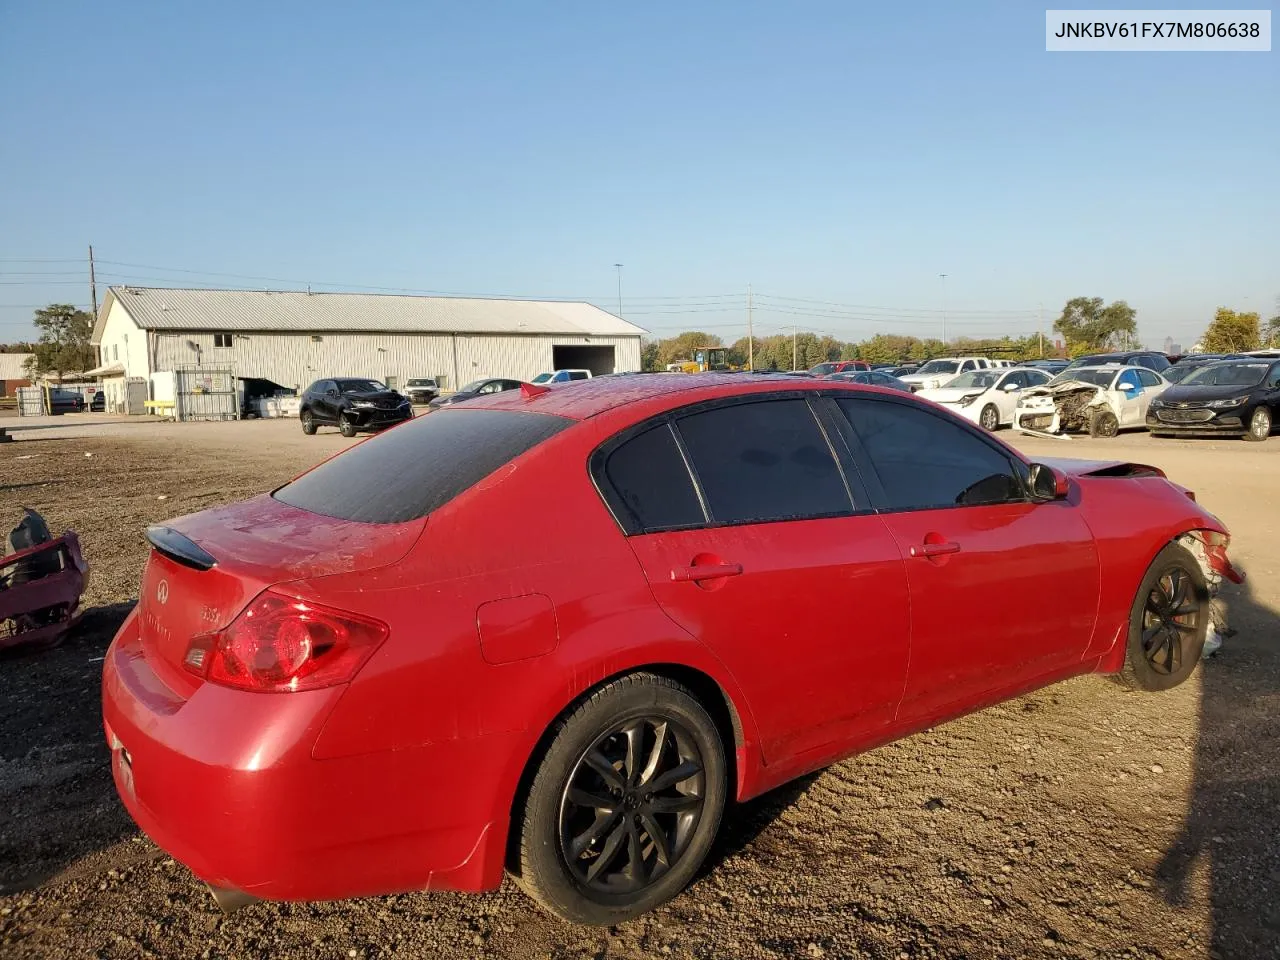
x: 406, y: 473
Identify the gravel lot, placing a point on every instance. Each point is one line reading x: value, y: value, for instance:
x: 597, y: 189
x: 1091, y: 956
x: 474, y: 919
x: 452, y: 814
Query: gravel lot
x: 1076, y: 822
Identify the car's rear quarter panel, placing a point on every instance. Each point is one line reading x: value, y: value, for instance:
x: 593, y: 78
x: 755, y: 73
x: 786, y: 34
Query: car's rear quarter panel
x: 535, y: 527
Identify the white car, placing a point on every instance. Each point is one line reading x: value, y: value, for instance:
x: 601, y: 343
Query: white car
x: 937, y: 372
x: 987, y: 397
x: 562, y: 376
x: 1102, y: 400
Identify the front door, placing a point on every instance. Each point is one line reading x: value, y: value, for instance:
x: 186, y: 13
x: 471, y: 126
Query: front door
x: 1003, y: 589
x: 764, y: 558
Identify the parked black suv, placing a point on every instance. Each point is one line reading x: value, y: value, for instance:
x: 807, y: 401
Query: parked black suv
x: 352, y: 404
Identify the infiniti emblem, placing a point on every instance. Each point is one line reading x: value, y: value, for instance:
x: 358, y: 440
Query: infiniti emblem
x: 162, y: 592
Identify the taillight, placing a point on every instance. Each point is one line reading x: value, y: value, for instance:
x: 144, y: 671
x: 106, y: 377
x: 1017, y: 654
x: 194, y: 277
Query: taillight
x: 281, y: 644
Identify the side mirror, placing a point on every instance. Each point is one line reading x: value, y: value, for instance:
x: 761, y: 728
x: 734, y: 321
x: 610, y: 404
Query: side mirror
x: 1126, y: 386
x: 1010, y: 386
x: 1048, y: 483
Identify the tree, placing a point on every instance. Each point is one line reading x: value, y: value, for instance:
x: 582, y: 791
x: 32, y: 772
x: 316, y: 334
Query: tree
x: 1232, y: 332
x: 18, y: 347
x: 649, y: 356
x: 1087, y: 325
x: 64, y: 340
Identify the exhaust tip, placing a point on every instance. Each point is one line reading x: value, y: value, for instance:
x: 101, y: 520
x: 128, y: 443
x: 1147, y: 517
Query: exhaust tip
x: 229, y: 901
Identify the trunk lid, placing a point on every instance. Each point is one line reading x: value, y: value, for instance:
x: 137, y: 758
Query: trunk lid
x: 206, y: 567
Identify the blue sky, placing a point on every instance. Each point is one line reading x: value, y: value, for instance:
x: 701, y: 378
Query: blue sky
x: 832, y: 152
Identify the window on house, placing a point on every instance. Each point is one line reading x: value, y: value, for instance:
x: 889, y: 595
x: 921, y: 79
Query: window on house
x: 115, y: 352
x: 222, y: 339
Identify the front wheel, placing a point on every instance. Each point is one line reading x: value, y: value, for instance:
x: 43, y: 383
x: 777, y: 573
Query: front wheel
x: 346, y: 427
x: 625, y: 803
x: 1104, y: 424
x: 1259, y: 425
x: 308, y: 423
x: 1168, y: 622
x: 989, y: 419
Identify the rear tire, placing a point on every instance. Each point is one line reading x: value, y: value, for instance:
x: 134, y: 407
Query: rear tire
x: 1259, y: 425
x: 346, y: 427
x: 1168, y: 623
x: 640, y: 758
x: 308, y: 423
x: 1103, y: 424
x: 989, y: 419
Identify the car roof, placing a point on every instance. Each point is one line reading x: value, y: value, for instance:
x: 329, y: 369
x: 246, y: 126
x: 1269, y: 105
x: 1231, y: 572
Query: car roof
x: 584, y: 399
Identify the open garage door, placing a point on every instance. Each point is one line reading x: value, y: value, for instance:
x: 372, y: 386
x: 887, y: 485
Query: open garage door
x: 599, y: 360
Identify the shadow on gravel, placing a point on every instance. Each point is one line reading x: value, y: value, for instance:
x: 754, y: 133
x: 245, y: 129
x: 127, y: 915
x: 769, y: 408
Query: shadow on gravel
x: 55, y: 775
x: 1233, y: 819
x: 743, y: 822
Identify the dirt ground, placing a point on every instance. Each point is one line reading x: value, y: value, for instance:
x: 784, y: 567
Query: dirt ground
x: 1076, y: 822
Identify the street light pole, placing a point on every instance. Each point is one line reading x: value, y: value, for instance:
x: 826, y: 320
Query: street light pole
x: 618, y: 267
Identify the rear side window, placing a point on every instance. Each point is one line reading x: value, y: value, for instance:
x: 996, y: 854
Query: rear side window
x: 925, y: 461
x: 406, y: 473
x: 1148, y: 378
x: 764, y: 461
x: 651, y: 483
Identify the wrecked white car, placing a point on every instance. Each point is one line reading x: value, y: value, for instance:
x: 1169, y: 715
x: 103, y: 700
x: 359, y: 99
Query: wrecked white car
x: 1101, y: 400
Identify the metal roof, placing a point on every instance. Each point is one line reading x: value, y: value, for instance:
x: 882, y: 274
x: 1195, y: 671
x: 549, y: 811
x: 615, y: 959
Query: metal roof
x: 165, y: 308
x: 11, y: 366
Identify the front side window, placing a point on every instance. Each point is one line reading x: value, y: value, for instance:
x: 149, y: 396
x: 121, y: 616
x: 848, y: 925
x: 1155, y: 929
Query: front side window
x: 764, y: 461
x: 924, y: 461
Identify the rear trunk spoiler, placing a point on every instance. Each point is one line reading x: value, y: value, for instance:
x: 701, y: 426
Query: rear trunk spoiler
x: 180, y: 548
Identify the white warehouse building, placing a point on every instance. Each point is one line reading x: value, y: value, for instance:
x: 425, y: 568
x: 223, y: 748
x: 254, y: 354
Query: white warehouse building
x: 294, y: 338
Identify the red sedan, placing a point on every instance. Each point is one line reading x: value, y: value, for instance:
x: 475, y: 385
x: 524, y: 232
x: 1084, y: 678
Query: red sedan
x: 554, y: 631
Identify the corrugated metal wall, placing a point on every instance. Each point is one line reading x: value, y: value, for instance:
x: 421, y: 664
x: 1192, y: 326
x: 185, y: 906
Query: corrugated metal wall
x: 295, y: 360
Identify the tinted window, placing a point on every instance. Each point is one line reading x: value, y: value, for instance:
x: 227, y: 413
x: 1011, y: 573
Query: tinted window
x: 923, y: 460
x: 1148, y: 378
x: 651, y: 483
x: 418, y: 467
x: 764, y: 461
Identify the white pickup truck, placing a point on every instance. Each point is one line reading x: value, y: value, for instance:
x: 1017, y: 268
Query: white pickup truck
x: 936, y: 373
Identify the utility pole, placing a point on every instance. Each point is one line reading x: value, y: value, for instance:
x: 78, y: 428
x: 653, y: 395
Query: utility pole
x: 1040, y: 327
x: 944, y: 307
x: 618, y: 267
x: 93, y: 293
x: 93, y: 284
x: 794, y: 361
x: 751, y: 337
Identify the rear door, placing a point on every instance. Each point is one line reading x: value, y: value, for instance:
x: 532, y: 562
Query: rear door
x: 1003, y: 589
x: 754, y: 541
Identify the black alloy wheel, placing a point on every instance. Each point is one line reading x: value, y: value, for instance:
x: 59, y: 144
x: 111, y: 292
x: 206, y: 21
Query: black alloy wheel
x: 631, y: 805
x: 1168, y: 622
x: 1171, y: 617
x: 624, y: 802
x: 308, y: 423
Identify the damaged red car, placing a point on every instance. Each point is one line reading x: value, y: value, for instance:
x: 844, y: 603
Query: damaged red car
x: 555, y: 631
